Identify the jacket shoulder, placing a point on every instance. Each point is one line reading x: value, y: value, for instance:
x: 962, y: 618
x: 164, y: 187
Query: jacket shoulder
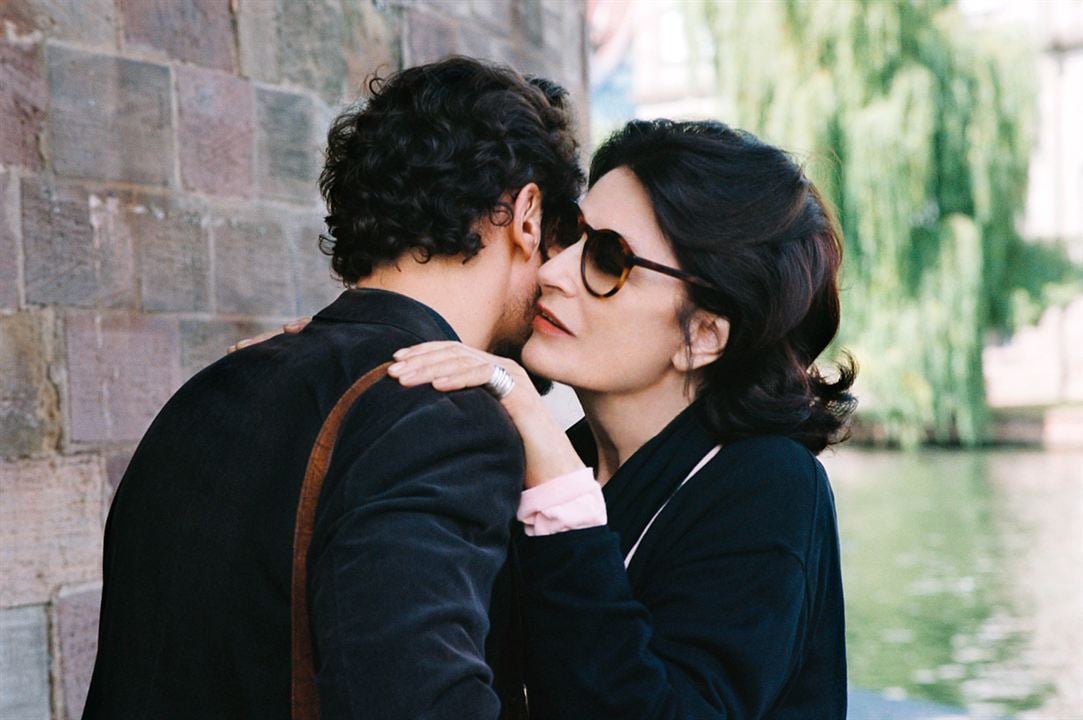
x: 760, y: 492
x: 768, y: 465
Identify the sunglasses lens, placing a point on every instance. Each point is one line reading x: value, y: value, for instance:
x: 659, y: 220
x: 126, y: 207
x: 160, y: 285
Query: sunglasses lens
x: 565, y: 234
x: 604, y: 262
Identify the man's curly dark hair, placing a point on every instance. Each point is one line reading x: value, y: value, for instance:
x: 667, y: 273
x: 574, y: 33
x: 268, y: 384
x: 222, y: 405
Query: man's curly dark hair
x: 433, y: 150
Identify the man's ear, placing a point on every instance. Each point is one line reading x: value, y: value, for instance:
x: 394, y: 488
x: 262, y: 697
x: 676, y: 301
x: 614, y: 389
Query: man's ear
x: 526, y: 222
x: 709, y: 334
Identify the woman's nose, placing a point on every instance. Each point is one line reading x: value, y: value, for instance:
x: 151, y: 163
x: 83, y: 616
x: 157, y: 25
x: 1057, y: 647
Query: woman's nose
x: 561, y: 271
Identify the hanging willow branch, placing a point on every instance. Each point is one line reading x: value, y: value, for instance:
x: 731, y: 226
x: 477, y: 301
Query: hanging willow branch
x: 917, y: 128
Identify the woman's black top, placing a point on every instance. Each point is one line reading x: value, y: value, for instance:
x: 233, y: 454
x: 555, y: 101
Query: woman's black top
x: 731, y: 606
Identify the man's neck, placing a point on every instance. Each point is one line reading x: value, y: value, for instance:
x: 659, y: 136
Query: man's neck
x: 623, y: 423
x: 449, y: 287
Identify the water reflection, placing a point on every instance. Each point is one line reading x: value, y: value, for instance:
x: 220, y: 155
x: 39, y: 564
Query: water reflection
x: 964, y: 577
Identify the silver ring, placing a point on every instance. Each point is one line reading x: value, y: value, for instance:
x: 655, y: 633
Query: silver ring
x: 501, y: 383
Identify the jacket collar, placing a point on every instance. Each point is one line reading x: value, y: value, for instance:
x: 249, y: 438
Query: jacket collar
x: 383, y: 307
x: 646, y: 480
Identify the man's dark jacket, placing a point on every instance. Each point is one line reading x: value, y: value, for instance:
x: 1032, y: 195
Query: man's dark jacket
x: 411, y: 530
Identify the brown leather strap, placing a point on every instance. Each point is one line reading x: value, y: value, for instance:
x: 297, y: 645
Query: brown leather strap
x: 304, y: 699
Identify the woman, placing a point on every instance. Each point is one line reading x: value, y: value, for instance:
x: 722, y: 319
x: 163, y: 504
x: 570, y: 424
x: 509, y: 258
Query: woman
x: 686, y: 311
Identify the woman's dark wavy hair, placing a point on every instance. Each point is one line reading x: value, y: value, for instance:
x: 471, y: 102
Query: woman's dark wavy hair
x: 742, y: 214
x: 433, y: 150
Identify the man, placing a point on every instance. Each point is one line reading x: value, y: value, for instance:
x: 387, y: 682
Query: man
x: 439, y: 192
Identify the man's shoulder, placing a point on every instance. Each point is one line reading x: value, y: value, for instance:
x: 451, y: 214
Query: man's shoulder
x: 432, y: 418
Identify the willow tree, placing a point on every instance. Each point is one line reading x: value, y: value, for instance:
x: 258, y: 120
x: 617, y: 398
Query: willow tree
x: 917, y: 129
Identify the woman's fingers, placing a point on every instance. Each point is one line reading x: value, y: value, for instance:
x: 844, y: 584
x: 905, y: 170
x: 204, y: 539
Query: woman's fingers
x: 253, y: 340
x: 449, y: 366
x: 292, y: 327
x: 452, y: 366
x: 432, y: 366
x: 427, y: 348
x: 296, y: 326
x: 474, y: 376
x: 418, y: 357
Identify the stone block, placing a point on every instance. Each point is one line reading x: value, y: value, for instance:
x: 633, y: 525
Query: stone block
x: 109, y: 117
x: 116, y: 464
x: 88, y: 22
x: 256, y: 38
x: 76, y: 630
x: 498, y: 14
x: 24, y: 663
x: 316, y: 286
x: 430, y: 36
x: 205, y: 341
x: 22, y: 104
x: 10, y: 246
x: 73, y: 253
x: 29, y: 405
x: 566, y: 48
x: 196, y: 31
x: 59, y: 249
x: 311, y: 45
x: 531, y: 60
x: 51, y: 526
x: 216, y: 116
x: 253, y: 273
x: 478, y: 41
x: 529, y: 20
x: 121, y: 370
x: 373, y: 41
x: 451, y: 8
x: 172, y: 237
x: 332, y: 47
x: 286, y: 147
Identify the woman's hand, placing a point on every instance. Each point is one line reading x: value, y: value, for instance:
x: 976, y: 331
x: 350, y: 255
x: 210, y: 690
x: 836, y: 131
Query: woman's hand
x: 449, y: 366
x: 293, y: 327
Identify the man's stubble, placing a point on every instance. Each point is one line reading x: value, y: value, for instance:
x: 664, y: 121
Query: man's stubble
x: 519, y: 324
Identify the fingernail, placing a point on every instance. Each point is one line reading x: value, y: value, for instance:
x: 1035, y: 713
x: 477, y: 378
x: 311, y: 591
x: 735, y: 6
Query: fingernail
x: 395, y: 368
x: 398, y: 354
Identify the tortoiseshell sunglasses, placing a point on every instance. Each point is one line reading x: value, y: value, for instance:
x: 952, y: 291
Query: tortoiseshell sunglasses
x: 607, y: 260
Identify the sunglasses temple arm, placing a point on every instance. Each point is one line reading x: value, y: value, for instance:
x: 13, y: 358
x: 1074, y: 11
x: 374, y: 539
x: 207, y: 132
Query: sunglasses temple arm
x: 674, y: 272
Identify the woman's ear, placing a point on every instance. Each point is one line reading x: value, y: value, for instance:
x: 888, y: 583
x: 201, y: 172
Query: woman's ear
x: 526, y: 230
x: 708, y: 335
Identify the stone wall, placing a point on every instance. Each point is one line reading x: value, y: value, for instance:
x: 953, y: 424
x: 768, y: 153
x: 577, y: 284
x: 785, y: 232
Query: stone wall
x: 157, y: 202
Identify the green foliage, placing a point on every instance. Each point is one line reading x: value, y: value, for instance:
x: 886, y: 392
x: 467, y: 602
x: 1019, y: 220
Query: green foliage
x: 918, y: 129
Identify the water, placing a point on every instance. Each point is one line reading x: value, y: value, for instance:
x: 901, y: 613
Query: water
x: 963, y: 574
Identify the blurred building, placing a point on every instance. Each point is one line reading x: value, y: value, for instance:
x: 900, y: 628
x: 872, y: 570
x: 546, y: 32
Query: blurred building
x: 1055, y: 196
x: 645, y: 62
x: 1043, y: 365
x: 158, y: 202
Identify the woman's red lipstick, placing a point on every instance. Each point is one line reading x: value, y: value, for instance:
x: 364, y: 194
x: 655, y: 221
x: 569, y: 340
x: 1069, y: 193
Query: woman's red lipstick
x: 548, y: 323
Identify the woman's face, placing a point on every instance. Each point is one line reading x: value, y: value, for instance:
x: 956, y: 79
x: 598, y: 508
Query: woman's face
x: 620, y: 344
